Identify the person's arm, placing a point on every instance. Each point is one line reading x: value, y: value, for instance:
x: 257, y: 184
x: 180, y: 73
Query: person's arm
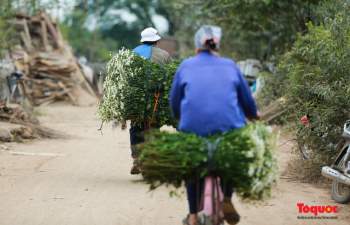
x: 160, y: 56
x: 176, y: 94
x: 167, y: 58
x: 245, y: 98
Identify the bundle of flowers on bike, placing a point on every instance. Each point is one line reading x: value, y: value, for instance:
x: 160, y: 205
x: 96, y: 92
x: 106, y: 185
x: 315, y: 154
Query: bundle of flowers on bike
x: 136, y: 89
x: 244, y: 156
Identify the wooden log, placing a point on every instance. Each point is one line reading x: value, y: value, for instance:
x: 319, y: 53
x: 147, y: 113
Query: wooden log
x: 4, y: 116
x: 27, y: 33
x: 83, y: 81
x: 22, y: 16
x: 72, y: 98
x: 36, y: 18
x: 24, y: 91
x: 22, y: 133
x: 45, y: 100
x: 52, y: 97
x: 16, y: 114
x: 26, y: 42
x: 274, y: 110
x: 45, y: 82
x: 44, y: 35
x: 43, y: 132
x: 53, y: 76
x: 52, y: 30
x: 60, y: 37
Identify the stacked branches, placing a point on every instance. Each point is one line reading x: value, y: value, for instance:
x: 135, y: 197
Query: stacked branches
x: 17, y: 125
x: 50, y: 68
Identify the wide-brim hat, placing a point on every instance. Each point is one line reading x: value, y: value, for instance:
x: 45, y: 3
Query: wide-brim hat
x: 150, y: 34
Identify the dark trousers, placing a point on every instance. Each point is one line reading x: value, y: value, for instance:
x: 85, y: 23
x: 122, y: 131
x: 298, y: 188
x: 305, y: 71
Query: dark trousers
x: 136, y: 137
x: 195, y: 189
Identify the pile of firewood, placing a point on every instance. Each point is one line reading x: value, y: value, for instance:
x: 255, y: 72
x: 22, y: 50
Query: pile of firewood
x: 17, y: 125
x: 51, y: 71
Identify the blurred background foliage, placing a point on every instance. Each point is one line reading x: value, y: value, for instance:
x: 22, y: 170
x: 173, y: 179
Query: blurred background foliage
x: 260, y: 29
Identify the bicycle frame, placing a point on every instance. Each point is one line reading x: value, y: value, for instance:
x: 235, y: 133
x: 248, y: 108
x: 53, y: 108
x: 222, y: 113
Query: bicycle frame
x: 213, y: 200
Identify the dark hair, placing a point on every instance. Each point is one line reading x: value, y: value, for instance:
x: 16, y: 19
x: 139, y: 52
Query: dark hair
x: 210, y: 44
x: 150, y: 42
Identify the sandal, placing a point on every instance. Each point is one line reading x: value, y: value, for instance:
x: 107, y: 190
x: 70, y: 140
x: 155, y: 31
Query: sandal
x: 231, y: 216
x: 186, y: 222
x: 135, y: 168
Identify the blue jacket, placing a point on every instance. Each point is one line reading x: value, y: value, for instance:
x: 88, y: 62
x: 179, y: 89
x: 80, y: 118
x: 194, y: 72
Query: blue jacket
x: 144, y: 50
x: 210, y: 95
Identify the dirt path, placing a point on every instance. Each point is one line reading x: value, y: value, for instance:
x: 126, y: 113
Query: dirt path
x: 84, y: 180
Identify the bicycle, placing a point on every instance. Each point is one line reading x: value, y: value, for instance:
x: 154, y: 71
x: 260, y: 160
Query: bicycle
x: 213, y: 197
x: 15, y: 83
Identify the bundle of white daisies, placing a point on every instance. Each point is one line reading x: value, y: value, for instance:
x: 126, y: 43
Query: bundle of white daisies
x: 136, y: 89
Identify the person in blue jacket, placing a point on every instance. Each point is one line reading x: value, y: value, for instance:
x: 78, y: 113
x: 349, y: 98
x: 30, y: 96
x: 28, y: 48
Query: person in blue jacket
x: 148, y: 50
x: 209, y: 95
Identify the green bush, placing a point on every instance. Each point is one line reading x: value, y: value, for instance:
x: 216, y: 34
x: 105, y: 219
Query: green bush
x: 317, y: 77
x: 274, y: 85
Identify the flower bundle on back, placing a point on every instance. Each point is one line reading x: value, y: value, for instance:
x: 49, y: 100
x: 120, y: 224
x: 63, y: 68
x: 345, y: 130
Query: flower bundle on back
x: 244, y: 156
x: 137, y: 89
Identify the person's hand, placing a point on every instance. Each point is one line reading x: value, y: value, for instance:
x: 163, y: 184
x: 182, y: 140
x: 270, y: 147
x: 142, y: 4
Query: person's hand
x: 258, y: 115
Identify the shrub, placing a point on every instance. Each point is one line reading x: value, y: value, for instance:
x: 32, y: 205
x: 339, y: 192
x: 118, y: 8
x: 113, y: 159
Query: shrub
x: 317, y: 76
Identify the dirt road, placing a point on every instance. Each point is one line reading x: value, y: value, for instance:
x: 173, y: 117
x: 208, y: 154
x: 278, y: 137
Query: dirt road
x: 84, y: 180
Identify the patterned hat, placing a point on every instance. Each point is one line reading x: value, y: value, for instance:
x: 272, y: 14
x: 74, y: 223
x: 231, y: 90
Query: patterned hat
x: 205, y: 33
